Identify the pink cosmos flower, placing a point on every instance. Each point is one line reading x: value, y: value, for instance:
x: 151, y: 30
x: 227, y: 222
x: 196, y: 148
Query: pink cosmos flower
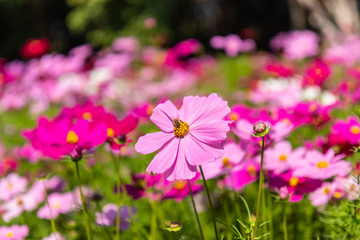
x: 296, y: 44
x: 321, y: 195
x: 277, y: 69
x: 59, y: 203
x: 14, y: 232
x: 11, y: 185
x: 242, y: 175
x: 179, y: 189
x: 347, y: 129
x: 190, y: 136
x: 233, y: 155
x: 317, y: 165
x: 62, y: 137
x: 232, y: 44
x: 316, y: 73
x: 280, y: 157
x: 296, y: 186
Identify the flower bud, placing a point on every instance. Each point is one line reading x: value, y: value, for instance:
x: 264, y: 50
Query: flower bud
x: 259, y: 127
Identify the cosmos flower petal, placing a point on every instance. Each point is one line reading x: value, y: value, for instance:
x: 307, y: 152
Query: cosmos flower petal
x: 163, y: 116
x: 198, y: 152
x: 213, y: 132
x: 165, y: 158
x: 152, y: 142
x: 181, y: 169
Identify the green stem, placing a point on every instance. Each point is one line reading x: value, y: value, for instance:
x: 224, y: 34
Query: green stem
x: 51, y: 217
x: 284, y: 224
x: 153, y: 226
x: 196, y: 213
x: 86, y: 218
x: 227, y: 217
x: 261, y: 183
x: 117, y: 165
x: 211, y: 205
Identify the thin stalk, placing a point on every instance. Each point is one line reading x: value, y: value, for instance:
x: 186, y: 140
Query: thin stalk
x: 153, y: 226
x: 196, y: 213
x: 284, y: 224
x: 51, y: 217
x: 117, y: 167
x: 261, y: 183
x: 227, y: 217
x: 86, y: 218
x: 211, y: 205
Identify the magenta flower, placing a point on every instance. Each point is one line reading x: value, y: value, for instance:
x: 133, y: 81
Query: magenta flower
x: 190, y: 136
x: 61, y: 137
x: 347, y: 129
x: 317, y: 165
x: 242, y: 176
x: 296, y: 186
x: 179, y: 189
x: 59, y: 203
x: 14, y: 232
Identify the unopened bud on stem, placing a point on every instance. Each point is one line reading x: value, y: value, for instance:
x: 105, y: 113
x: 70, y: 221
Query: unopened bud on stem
x: 259, y: 127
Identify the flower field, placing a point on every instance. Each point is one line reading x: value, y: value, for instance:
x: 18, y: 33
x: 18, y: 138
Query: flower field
x: 137, y: 141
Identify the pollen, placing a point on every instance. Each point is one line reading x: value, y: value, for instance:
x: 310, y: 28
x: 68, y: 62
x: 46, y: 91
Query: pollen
x: 322, y: 164
x: 294, y: 181
x: 87, y: 116
x: 226, y: 162
x: 252, y: 171
x: 180, y: 128
x: 355, y: 130
x: 110, y: 132
x: 57, y: 205
x: 283, y: 157
x: 326, y: 190
x: 179, y: 185
x: 312, y: 107
x: 72, y: 138
x: 234, y: 116
x: 9, y: 234
x: 337, y: 194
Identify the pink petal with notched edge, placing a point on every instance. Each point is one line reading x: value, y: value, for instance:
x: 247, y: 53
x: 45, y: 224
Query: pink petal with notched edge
x: 191, y: 109
x: 165, y: 158
x: 163, y: 116
x: 181, y: 169
x: 152, y: 142
x: 213, y: 133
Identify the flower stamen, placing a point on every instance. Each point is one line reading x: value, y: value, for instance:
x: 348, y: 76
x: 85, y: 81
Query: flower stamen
x: 180, y: 128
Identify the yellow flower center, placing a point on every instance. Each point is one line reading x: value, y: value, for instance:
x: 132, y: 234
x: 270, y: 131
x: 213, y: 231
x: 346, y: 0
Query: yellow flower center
x: 355, y: 130
x: 283, y: 157
x: 322, y: 164
x: 149, y: 110
x: 226, y: 162
x: 87, y: 116
x: 9, y: 234
x: 180, y: 128
x: 286, y: 121
x: 318, y: 72
x: 337, y: 194
x: 57, y: 205
x: 110, y: 132
x: 326, y: 190
x: 234, y: 116
x: 72, y: 138
x: 179, y: 185
x: 9, y: 185
x: 312, y: 107
x: 252, y: 171
x: 294, y: 181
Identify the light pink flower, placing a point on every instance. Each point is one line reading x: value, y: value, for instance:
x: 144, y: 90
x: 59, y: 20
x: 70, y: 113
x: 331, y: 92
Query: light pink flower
x: 58, y: 203
x: 14, y: 232
x: 279, y: 158
x: 317, y: 165
x: 233, y: 155
x: 189, y: 137
x: 12, y: 185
